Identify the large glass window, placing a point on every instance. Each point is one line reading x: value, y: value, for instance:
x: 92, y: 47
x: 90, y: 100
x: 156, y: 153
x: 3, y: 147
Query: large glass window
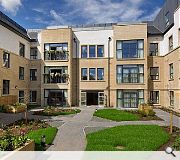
x: 130, y: 74
x: 33, y: 74
x: 154, y: 97
x: 21, y: 73
x: 21, y: 96
x: 167, y: 17
x: 6, y: 60
x: 84, y: 74
x: 154, y: 73
x: 172, y: 98
x: 56, y: 74
x: 92, y: 51
x: 56, y: 97
x: 100, y: 74
x: 21, y: 49
x: 153, y: 49
x: 6, y: 87
x: 56, y: 51
x: 92, y: 74
x: 84, y: 51
x: 171, y: 43
x: 130, y: 98
x: 33, y: 96
x: 171, y: 71
x: 33, y: 53
x: 130, y: 49
x: 100, y: 51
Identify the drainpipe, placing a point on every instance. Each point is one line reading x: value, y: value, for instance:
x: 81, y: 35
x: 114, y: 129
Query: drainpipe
x: 109, y: 40
x: 77, y: 102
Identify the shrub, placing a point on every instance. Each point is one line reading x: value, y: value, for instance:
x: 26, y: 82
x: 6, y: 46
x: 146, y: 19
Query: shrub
x: 146, y: 110
x: 176, y: 144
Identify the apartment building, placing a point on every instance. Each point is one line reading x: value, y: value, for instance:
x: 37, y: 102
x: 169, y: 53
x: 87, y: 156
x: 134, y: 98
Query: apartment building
x: 115, y: 65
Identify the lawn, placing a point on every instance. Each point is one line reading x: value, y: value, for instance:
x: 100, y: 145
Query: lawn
x: 49, y: 132
x: 116, y: 115
x: 128, y: 138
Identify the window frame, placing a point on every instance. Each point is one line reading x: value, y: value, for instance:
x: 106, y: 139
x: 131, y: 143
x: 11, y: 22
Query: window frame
x: 31, y: 96
x: 21, y: 50
x: 32, y: 77
x: 98, y: 74
x: 171, y: 71
x: 153, y: 75
x: 20, y: 98
x: 100, y: 46
x: 171, y: 97
x: 86, y: 51
x: 33, y: 55
x: 138, y: 49
x: 6, y: 61
x: 94, y: 74
x: 94, y: 51
x: 82, y: 74
x: 156, y: 52
x: 157, y: 95
x: 21, y: 74
x: 6, y: 85
x: 171, y: 45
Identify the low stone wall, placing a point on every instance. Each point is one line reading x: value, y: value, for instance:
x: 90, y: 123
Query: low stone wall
x: 30, y: 146
x: 6, y: 100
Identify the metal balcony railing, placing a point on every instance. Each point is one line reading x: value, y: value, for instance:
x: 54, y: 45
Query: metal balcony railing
x: 56, y: 55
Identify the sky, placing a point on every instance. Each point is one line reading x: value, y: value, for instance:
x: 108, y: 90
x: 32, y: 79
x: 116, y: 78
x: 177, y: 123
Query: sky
x: 41, y: 13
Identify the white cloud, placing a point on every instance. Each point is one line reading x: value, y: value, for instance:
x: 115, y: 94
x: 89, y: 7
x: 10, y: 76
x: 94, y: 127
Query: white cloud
x: 11, y: 6
x: 100, y: 11
x: 57, y: 19
x: 39, y: 10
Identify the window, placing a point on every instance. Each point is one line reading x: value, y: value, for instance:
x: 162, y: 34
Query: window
x: 171, y: 71
x: 56, y: 51
x: 154, y: 73
x: 171, y: 43
x: 83, y: 51
x: 33, y: 53
x: 6, y: 60
x: 21, y: 96
x: 172, y: 98
x: 57, y: 97
x: 154, y: 97
x: 100, y: 74
x: 92, y: 74
x: 130, y: 74
x: 33, y: 96
x: 130, y: 49
x: 100, y: 51
x: 6, y: 87
x: 167, y: 17
x: 21, y: 73
x: 56, y: 74
x: 130, y: 98
x: 84, y: 74
x: 21, y: 49
x: 33, y: 74
x: 92, y: 51
x: 153, y: 49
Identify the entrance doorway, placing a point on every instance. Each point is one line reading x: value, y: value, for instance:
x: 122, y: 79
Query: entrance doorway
x: 89, y: 98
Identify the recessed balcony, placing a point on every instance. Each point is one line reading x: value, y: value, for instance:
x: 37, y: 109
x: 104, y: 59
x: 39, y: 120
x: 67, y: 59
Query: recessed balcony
x: 56, y: 55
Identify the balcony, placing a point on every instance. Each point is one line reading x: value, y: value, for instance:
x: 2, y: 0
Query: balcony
x: 54, y: 78
x: 56, y: 55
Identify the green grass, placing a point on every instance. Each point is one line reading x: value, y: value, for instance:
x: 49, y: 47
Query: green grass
x: 116, y: 115
x: 131, y: 137
x: 50, y: 134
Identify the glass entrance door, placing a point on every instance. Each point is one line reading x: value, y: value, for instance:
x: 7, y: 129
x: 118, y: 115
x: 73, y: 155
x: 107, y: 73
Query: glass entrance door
x: 101, y: 98
x: 83, y: 99
x: 130, y: 100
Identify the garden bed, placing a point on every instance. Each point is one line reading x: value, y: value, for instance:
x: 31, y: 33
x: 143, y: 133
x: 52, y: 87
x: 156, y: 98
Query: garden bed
x: 124, y: 115
x: 55, y: 111
x: 15, y: 108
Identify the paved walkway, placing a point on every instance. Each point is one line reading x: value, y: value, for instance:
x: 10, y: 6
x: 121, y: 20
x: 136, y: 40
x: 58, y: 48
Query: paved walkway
x: 71, y: 135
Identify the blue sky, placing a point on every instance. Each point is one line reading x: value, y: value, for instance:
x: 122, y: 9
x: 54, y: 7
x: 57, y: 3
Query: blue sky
x: 42, y: 13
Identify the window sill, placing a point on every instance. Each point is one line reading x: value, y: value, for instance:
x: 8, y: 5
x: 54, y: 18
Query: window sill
x: 56, y: 83
x: 93, y: 58
x: 92, y: 81
x: 155, y: 80
x: 5, y: 95
x: 6, y: 67
x: 131, y: 83
x: 130, y: 59
x: 56, y: 60
x: 171, y: 79
x: 156, y: 104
